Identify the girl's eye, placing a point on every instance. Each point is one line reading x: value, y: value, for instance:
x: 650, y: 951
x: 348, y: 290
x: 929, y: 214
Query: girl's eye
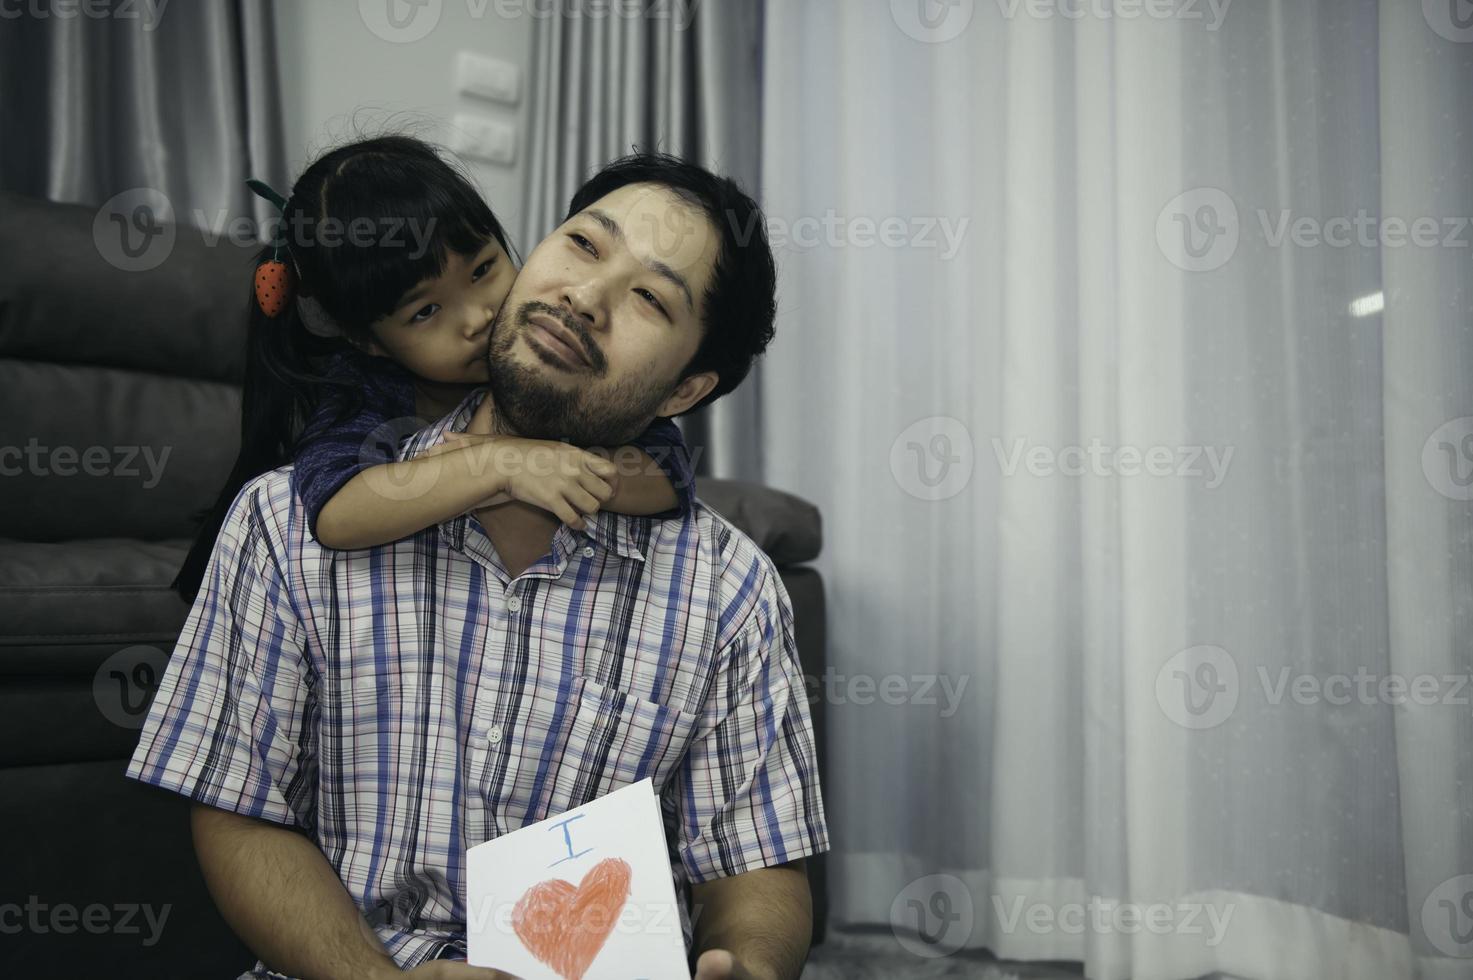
x: 482, y: 269
x: 652, y: 299
x: 425, y: 313
x: 583, y: 243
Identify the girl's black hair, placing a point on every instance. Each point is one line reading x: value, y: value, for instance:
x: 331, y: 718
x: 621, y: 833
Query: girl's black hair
x: 363, y: 224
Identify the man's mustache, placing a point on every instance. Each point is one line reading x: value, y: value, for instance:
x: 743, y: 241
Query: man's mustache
x: 574, y: 325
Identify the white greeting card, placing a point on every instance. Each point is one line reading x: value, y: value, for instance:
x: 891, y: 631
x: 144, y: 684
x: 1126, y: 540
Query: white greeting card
x: 584, y: 895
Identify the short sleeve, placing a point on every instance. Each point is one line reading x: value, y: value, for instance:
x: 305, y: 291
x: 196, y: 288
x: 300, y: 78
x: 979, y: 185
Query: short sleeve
x: 664, y: 444
x: 230, y: 724
x: 335, y: 449
x: 747, y: 794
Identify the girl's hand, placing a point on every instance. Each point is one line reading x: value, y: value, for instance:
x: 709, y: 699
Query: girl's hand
x: 570, y: 482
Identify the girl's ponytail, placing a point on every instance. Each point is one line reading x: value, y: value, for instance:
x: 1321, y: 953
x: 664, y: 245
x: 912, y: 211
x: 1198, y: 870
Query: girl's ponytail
x: 279, y: 373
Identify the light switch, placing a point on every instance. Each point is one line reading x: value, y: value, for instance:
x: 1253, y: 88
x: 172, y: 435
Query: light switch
x: 483, y: 139
x: 487, y: 78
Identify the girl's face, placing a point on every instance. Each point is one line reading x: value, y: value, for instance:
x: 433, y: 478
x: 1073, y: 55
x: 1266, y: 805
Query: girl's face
x: 442, y: 327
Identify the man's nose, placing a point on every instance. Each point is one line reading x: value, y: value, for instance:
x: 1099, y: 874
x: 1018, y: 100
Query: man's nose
x: 583, y: 302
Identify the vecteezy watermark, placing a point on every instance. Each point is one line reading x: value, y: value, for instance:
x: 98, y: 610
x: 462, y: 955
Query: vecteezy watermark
x: 932, y: 21
x: 1201, y: 687
x: 933, y: 916
x: 941, y: 234
x: 147, y: 11
x: 1097, y: 459
x: 1104, y: 916
x: 1212, y: 11
x: 134, y: 230
x: 1198, y: 687
x: 34, y: 459
x: 506, y: 458
x: 1451, y: 19
x: 1200, y: 230
x: 1447, y: 917
x: 925, y: 690
x: 932, y: 458
x: 124, y: 686
x: 407, y: 233
x: 405, y: 21
x: 63, y: 918
x: 1447, y: 459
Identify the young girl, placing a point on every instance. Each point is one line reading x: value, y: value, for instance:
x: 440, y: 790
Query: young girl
x: 399, y: 268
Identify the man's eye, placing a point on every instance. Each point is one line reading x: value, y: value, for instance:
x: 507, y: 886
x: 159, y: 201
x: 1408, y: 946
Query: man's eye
x: 425, y: 313
x: 482, y: 269
x: 651, y: 298
x: 583, y: 243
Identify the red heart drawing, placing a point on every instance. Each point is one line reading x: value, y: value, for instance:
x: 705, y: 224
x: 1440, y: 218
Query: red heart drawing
x: 565, y: 927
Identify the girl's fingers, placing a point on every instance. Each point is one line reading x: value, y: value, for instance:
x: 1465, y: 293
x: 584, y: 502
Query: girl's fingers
x: 586, y: 502
x: 603, y: 467
x: 602, y: 490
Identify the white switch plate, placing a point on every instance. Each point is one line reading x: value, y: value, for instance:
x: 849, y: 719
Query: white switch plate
x: 483, y: 138
x: 487, y: 78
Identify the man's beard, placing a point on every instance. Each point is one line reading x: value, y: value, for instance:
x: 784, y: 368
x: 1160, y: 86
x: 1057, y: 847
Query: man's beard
x: 586, y: 414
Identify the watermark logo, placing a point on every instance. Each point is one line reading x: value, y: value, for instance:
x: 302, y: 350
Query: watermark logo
x: 63, y: 918
x: 1212, y: 11
x: 1209, y: 463
x: 678, y: 235
x: 1198, y: 230
x: 1198, y: 687
x: 932, y: 21
x: 921, y: 690
x: 400, y: 21
x: 933, y: 916
x: 124, y: 686
x: 1447, y: 459
x: 1451, y: 19
x: 933, y: 458
x: 1102, y: 916
x: 1447, y: 917
x: 134, y: 231
x: 150, y: 12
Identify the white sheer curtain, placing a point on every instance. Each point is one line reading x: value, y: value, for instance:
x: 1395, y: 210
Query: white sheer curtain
x: 1020, y: 237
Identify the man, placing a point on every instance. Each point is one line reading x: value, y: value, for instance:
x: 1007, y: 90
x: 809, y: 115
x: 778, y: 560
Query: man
x: 349, y: 723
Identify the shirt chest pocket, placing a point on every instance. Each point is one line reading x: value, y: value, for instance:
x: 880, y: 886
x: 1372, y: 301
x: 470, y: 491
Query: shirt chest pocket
x: 615, y: 739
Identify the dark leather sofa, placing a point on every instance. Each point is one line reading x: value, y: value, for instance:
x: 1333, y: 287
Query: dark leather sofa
x: 118, y: 410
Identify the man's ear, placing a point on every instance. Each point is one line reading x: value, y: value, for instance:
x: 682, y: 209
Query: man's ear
x: 690, y: 391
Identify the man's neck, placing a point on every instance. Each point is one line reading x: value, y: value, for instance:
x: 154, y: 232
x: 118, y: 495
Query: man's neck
x: 520, y: 532
x: 434, y: 400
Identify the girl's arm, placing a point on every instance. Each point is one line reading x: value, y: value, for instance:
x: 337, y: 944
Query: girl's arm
x: 655, y: 472
x: 390, y: 501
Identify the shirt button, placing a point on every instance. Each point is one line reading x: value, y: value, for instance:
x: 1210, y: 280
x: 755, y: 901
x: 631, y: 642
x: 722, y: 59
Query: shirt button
x: 493, y: 734
x: 588, y: 551
x: 514, y: 603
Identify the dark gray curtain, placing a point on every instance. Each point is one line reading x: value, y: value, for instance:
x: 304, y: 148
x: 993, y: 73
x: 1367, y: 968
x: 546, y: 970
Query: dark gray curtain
x: 180, y: 97
x: 683, y: 77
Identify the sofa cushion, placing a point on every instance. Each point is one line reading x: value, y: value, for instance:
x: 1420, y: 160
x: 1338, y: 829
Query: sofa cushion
x: 788, y: 528
x: 94, y: 452
x: 63, y: 301
x: 65, y: 607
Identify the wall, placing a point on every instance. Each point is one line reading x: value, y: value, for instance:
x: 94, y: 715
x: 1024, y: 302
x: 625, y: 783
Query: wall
x: 339, y: 75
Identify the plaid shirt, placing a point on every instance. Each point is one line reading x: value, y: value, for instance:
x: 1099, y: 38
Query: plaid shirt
x: 404, y: 703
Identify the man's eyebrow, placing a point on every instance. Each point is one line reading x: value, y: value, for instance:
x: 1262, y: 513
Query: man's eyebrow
x: 659, y: 268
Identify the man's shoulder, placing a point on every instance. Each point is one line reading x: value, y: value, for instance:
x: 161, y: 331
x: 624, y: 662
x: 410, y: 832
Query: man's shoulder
x: 265, y: 504
x: 740, y: 573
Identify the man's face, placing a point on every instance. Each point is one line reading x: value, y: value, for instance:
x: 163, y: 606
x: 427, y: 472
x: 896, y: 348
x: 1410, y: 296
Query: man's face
x: 602, y: 319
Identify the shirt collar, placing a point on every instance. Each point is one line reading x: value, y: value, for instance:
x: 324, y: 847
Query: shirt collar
x: 624, y: 534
